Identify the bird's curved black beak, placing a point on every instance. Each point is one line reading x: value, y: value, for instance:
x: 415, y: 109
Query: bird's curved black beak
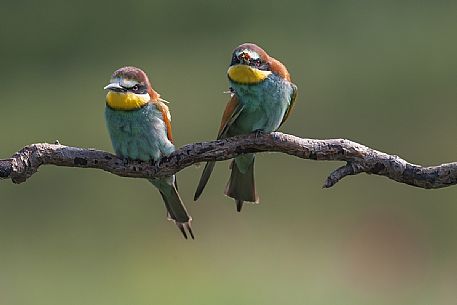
x: 116, y: 87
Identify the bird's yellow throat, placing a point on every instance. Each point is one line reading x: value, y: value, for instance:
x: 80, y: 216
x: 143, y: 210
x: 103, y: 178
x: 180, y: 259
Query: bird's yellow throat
x: 126, y: 101
x: 244, y: 74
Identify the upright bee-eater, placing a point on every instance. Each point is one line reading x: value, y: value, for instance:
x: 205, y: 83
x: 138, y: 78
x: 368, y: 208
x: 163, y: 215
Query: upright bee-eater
x: 262, y: 96
x: 139, y: 124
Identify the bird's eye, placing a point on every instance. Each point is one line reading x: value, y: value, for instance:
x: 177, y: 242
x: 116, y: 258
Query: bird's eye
x: 135, y: 88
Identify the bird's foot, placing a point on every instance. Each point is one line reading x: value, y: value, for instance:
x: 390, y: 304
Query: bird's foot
x: 259, y: 132
x: 154, y: 163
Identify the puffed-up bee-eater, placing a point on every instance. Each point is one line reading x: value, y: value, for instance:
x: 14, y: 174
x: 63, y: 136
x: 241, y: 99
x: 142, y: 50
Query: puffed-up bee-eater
x: 139, y: 124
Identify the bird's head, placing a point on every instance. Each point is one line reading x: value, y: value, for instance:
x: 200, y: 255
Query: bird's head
x: 252, y: 65
x: 249, y: 65
x: 129, y: 88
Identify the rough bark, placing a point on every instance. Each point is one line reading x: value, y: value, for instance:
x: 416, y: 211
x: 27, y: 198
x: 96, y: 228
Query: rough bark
x: 358, y: 158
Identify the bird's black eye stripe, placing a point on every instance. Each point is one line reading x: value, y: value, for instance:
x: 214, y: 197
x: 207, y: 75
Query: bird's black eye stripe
x: 138, y: 89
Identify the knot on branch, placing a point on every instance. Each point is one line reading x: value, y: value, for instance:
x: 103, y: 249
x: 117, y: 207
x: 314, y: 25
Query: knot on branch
x: 22, y: 164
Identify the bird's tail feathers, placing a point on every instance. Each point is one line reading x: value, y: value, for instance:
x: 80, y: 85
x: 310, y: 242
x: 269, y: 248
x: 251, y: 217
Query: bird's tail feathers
x: 176, y: 211
x: 241, y: 186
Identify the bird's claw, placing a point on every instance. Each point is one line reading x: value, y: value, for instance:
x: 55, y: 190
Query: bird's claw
x: 258, y: 133
x: 155, y: 162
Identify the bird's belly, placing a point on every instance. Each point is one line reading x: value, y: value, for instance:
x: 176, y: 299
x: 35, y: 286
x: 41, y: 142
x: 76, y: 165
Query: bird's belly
x: 264, y: 106
x: 267, y: 116
x: 138, y: 136
x: 136, y: 147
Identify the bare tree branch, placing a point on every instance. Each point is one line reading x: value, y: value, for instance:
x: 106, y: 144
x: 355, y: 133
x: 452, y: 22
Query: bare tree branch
x: 359, y: 158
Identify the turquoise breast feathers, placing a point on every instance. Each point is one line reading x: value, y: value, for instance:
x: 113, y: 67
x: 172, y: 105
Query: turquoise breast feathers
x: 138, y: 134
x: 264, y: 105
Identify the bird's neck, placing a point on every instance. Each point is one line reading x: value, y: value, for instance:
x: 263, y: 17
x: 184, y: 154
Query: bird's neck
x: 126, y: 101
x: 247, y: 75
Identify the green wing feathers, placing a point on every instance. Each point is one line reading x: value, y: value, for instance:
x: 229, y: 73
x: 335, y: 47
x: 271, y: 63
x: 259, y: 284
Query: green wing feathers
x: 204, y: 179
x: 232, y: 111
x: 293, y: 97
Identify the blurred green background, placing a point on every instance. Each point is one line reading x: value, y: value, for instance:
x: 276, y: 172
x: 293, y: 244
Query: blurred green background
x: 380, y: 73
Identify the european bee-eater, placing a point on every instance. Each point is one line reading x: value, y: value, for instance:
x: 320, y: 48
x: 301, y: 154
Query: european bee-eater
x: 139, y: 124
x: 262, y: 96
